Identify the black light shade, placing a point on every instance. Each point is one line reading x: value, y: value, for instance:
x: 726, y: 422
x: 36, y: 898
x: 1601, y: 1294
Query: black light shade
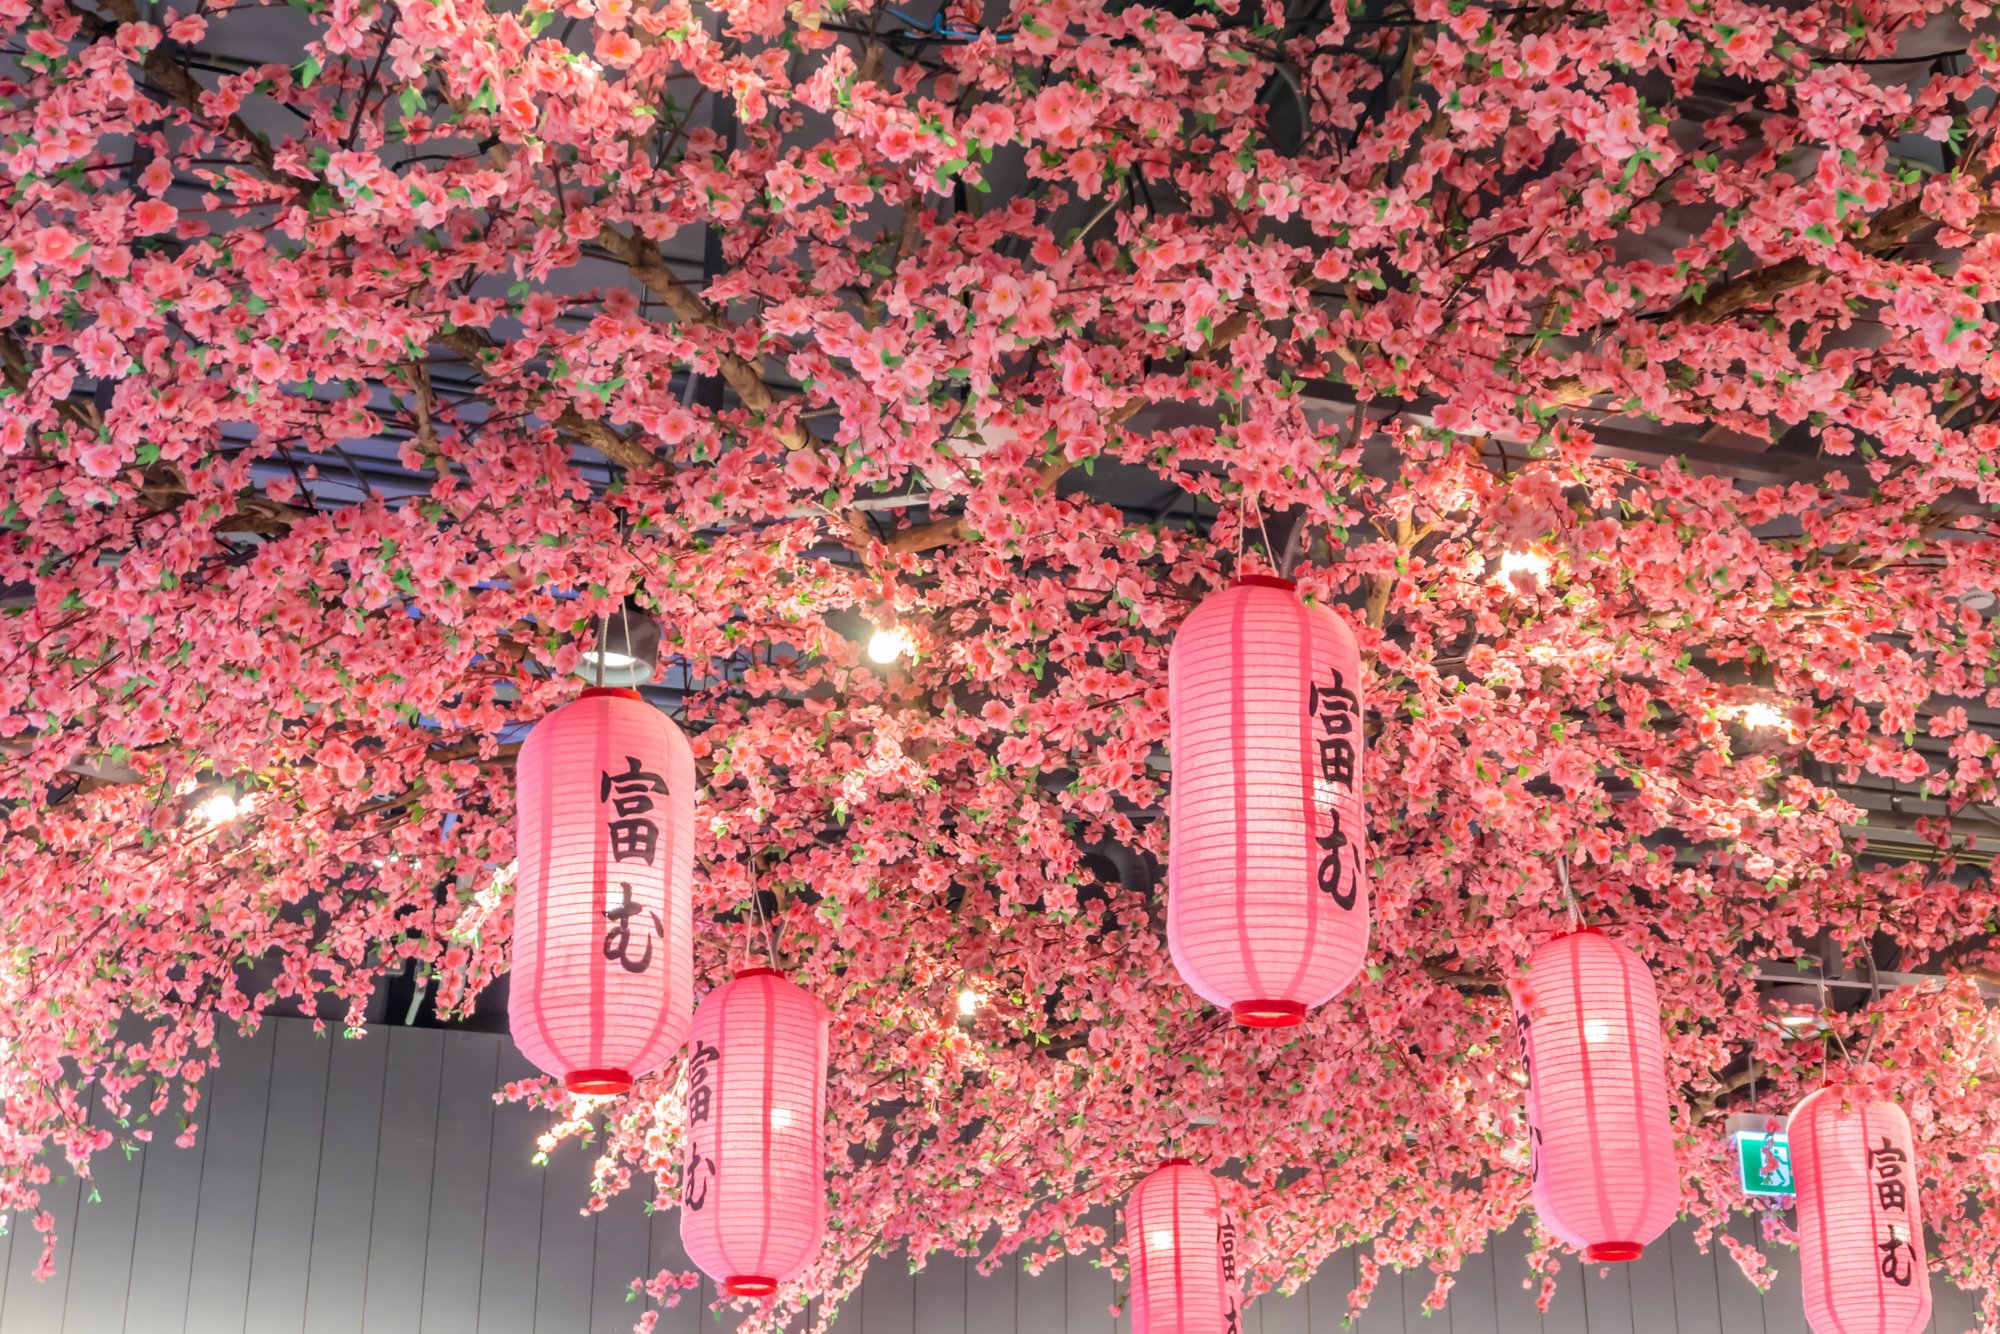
x: 628, y: 647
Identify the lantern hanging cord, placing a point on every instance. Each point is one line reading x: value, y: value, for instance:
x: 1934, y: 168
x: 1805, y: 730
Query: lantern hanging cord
x: 1569, y: 896
x: 1241, y: 524
x: 757, y: 911
x: 1874, y: 1015
x: 603, y: 633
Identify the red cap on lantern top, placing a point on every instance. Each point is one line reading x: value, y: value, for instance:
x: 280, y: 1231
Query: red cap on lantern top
x: 1861, y: 1233
x: 1600, y: 1144
x: 603, y: 962
x: 1181, y: 1245
x: 1267, y: 887
x: 753, y: 1181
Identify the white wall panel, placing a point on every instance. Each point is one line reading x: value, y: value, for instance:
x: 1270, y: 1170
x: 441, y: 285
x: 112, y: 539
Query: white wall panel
x: 374, y: 1187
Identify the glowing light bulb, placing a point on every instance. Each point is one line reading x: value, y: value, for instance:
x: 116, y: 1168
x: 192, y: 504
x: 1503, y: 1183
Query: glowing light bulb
x: 1759, y: 715
x: 1160, y: 1240
x: 781, y: 1118
x: 1797, y: 1020
x: 219, y: 808
x: 1597, y: 1032
x: 968, y: 1003
x: 888, y: 644
x: 1531, y: 563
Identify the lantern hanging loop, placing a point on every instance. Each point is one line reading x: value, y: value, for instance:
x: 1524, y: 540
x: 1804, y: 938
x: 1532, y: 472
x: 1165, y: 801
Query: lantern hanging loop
x: 1270, y: 551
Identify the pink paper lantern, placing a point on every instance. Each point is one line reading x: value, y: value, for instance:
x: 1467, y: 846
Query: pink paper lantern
x: 1267, y: 882
x: 753, y: 1181
x: 1861, y: 1232
x: 1602, y: 1150
x: 1181, y: 1245
x: 603, y: 959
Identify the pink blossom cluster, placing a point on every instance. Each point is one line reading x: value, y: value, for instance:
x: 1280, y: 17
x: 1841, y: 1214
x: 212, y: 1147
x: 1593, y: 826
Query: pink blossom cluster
x: 1431, y: 295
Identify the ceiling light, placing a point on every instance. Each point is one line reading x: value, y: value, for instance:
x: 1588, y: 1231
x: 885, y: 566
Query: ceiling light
x: 886, y: 645
x: 1759, y: 715
x: 219, y: 808
x: 1531, y: 563
x: 968, y: 1003
x: 625, y: 649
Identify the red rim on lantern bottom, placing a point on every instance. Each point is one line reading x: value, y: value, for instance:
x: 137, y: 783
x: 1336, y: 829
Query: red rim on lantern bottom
x: 749, y: 1286
x: 1269, y: 1013
x: 598, y: 1081
x: 1605, y: 1252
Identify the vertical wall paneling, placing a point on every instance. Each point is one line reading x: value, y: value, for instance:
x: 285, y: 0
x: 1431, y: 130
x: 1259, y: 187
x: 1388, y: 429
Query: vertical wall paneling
x: 624, y: 1244
x: 343, y: 1213
x: 1697, y: 1299
x: 1569, y: 1308
x: 670, y: 1256
x: 1953, y: 1309
x: 1652, y: 1282
x: 106, y: 1229
x: 1742, y: 1304
x: 514, y: 1190
x: 1384, y: 1312
x: 1087, y: 1287
x: 163, y: 1242
x: 1784, y: 1300
x: 887, y: 1301
x: 1279, y: 1314
x: 1417, y: 1284
x: 399, y: 1227
x: 1607, y: 1296
x: 941, y: 1297
x: 1475, y: 1300
x: 337, y: 1184
x: 288, y: 1183
x: 569, y: 1236
x: 456, y: 1239
x: 1326, y: 1292
x: 993, y: 1300
x: 36, y: 1306
x: 225, y: 1226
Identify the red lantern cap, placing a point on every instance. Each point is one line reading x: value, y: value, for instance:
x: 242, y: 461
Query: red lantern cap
x: 1611, y: 1252
x: 1267, y: 581
x: 749, y: 1285
x: 759, y: 971
x: 598, y: 1081
x: 616, y: 692
x: 1269, y: 1013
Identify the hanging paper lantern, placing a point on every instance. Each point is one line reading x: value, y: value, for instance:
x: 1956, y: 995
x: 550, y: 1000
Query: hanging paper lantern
x: 603, y: 966
x: 1267, y: 891
x: 753, y: 1187
x: 1181, y: 1245
x: 1601, y: 1149
x: 1861, y: 1232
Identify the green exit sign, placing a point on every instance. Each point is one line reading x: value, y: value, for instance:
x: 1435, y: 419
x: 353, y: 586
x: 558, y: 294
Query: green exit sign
x: 1764, y: 1162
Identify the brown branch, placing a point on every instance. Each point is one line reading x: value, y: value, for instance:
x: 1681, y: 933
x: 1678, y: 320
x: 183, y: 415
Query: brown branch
x: 475, y: 346
x: 1889, y: 229
x: 643, y: 258
x: 173, y: 78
